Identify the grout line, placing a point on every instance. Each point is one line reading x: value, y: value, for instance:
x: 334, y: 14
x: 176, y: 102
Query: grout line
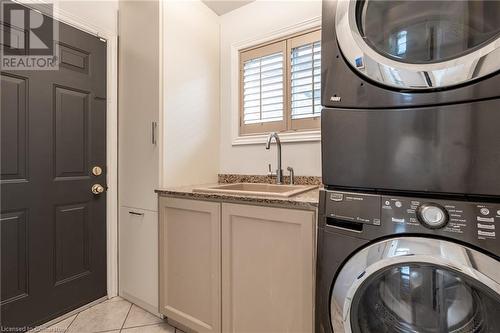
x: 151, y: 324
x: 146, y: 325
x: 123, y: 324
x: 67, y: 328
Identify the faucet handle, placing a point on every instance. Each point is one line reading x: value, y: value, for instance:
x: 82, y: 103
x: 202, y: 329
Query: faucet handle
x: 270, y: 172
x: 292, y: 175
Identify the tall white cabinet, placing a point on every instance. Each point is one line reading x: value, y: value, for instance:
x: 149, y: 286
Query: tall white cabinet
x: 139, y: 110
x: 168, y: 115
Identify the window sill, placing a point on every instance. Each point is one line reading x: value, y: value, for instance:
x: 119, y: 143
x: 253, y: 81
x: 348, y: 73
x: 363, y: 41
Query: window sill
x: 295, y: 136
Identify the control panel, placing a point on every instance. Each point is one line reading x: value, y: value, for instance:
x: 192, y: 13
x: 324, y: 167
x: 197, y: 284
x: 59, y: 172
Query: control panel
x: 383, y: 215
x: 353, y: 207
x: 451, y: 217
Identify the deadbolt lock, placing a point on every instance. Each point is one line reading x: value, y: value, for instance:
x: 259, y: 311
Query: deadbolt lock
x: 96, y: 171
x: 98, y: 189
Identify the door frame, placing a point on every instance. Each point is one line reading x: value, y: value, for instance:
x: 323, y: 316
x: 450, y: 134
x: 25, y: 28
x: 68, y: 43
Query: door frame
x: 111, y: 38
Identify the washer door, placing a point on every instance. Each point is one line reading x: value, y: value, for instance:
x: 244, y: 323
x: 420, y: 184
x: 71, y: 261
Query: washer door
x: 420, y: 44
x: 412, y: 284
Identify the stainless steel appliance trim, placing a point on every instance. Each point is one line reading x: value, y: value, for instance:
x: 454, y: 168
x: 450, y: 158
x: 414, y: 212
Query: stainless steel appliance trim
x: 389, y: 72
x: 403, y: 250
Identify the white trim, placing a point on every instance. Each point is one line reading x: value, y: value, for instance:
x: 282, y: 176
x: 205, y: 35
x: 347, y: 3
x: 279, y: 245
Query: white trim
x: 111, y: 129
x: 297, y: 136
x: 112, y: 166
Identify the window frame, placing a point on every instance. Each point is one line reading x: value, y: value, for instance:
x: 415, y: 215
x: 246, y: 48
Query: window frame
x: 261, y: 51
x: 284, y: 44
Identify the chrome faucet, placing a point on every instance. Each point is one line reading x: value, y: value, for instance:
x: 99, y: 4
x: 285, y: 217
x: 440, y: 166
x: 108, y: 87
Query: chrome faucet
x: 292, y: 175
x: 279, y: 171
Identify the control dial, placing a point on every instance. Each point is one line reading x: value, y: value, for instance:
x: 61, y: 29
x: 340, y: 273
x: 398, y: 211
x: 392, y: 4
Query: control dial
x: 432, y: 215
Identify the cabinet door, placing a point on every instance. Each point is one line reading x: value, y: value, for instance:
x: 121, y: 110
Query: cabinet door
x: 139, y: 257
x: 267, y: 269
x: 139, y: 101
x: 190, y: 263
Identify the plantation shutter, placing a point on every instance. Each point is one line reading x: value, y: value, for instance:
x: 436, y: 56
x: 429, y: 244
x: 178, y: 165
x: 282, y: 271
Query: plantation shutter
x: 280, y: 85
x: 305, y: 80
x: 262, y: 89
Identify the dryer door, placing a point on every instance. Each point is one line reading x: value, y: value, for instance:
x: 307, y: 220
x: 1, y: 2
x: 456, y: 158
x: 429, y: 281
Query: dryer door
x: 412, y: 284
x: 420, y: 44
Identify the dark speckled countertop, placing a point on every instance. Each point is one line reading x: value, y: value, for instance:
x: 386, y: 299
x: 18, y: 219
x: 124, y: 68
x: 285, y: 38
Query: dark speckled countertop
x: 307, y: 200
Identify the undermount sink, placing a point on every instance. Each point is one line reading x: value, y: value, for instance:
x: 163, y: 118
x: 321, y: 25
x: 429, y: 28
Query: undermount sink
x: 259, y: 189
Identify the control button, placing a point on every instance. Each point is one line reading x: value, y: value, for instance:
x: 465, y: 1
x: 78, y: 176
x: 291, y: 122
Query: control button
x: 336, y: 197
x: 485, y: 211
x: 486, y: 233
x: 486, y: 226
x: 498, y: 212
x: 432, y: 215
x: 485, y: 219
x: 387, y: 203
x: 399, y: 204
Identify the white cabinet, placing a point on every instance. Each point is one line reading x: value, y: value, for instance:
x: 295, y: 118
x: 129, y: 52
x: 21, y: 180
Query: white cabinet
x: 138, y: 260
x: 190, y: 263
x: 236, y: 268
x: 139, y: 107
x: 267, y: 269
x: 169, y: 72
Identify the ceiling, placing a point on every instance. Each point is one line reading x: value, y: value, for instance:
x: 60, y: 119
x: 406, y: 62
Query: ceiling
x: 221, y: 7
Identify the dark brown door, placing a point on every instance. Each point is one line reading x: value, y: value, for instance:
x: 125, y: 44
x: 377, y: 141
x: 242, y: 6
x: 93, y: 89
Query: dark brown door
x: 53, y: 228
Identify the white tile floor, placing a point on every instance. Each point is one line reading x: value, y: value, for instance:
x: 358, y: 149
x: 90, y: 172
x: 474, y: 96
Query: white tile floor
x: 113, y: 315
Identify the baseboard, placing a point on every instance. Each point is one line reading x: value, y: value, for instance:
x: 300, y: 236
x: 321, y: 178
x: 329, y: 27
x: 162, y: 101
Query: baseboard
x: 179, y: 326
x: 146, y: 306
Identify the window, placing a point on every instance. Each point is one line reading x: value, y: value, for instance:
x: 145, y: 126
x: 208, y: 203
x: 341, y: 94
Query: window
x: 280, y: 85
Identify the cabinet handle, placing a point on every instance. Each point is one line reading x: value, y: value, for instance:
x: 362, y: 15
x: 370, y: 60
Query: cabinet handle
x: 135, y: 213
x: 154, y: 125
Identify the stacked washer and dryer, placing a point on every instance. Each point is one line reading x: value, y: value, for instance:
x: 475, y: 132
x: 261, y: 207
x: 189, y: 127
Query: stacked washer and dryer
x: 411, y: 165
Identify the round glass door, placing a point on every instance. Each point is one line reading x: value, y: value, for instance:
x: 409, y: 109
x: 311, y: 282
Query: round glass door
x: 417, y: 285
x: 427, y: 31
x: 424, y: 298
x: 425, y: 44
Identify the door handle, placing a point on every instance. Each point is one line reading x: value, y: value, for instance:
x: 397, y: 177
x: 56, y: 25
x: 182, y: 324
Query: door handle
x: 154, y: 126
x: 98, y: 189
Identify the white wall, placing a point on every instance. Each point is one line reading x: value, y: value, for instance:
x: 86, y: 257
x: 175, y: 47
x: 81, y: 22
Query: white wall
x: 252, y: 22
x: 102, y: 14
x: 191, y: 93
